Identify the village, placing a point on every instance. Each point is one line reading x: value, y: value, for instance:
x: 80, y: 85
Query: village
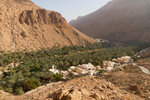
x: 90, y: 69
x: 84, y: 69
x: 9, y: 67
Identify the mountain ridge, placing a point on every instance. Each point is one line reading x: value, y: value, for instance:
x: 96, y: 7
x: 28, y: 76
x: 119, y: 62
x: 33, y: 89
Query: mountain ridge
x: 119, y: 20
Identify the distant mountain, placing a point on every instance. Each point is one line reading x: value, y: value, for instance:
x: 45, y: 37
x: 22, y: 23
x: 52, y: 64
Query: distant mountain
x: 26, y: 26
x: 119, y: 20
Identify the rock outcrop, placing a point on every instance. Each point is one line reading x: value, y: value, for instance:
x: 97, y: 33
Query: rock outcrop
x: 25, y: 26
x: 5, y: 96
x: 83, y: 88
x: 119, y: 20
x: 42, y: 16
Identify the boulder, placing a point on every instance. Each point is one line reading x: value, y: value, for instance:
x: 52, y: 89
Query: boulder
x: 95, y: 96
x: 98, y: 67
x: 70, y: 94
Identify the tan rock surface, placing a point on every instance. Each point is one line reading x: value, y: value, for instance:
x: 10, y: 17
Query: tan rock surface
x: 83, y: 88
x: 26, y: 26
x: 131, y: 79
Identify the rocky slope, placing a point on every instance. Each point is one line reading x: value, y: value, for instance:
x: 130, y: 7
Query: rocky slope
x: 25, y: 26
x: 132, y: 79
x: 83, y: 88
x: 119, y: 20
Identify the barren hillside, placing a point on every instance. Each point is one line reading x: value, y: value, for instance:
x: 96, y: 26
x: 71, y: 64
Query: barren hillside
x: 132, y: 79
x: 25, y: 26
x: 84, y: 88
x: 119, y: 20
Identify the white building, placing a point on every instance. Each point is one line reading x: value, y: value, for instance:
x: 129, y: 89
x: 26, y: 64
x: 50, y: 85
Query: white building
x: 53, y: 70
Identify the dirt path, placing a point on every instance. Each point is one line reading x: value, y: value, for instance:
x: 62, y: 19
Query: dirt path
x: 145, y: 70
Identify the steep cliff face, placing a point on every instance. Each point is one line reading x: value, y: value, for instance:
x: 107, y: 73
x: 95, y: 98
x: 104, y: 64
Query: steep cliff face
x: 119, y: 20
x: 25, y: 26
x: 41, y: 16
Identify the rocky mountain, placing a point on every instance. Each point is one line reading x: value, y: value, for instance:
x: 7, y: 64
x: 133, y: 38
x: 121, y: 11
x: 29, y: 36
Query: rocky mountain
x: 26, y: 26
x: 119, y: 20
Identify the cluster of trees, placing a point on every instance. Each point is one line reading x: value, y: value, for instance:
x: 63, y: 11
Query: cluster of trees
x: 34, y: 69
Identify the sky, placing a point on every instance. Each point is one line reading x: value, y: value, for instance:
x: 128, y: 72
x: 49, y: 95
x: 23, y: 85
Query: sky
x: 71, y: 9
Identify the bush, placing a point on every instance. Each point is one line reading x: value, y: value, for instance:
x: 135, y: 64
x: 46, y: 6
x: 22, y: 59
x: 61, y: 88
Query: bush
x: 19, y: 91
x: 102, y: 71
x: 57, y: 77
x: 31, y: 83
x: 1, y: 88
x: 8, y: 90
x: 135, y: 58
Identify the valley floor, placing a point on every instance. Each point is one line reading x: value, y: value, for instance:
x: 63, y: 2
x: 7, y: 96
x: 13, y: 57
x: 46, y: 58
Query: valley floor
x: 127, y: 83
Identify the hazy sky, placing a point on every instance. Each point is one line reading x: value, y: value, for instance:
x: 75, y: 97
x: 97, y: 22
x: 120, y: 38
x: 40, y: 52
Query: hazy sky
x: 71, y: 9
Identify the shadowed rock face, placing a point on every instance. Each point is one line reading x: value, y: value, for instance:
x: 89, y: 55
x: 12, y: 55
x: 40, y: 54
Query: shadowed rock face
x: 41, y: 16
x: 25, y: 26
x: 119, y: 20
x: 21, y: 1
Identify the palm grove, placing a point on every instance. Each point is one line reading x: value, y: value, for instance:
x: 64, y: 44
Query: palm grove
x: 34, y: 69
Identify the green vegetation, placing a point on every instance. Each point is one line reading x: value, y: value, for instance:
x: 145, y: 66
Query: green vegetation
x: 31, y: 83
x: 19, y: 90
x: 33, y: 70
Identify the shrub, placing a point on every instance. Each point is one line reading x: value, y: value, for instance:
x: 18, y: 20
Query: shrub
x: 1, y: 88
x: 31, y: 83
x: 102, y: 71
x: 8, y: 90
x: 19, y: 91
x: 57, y: 77
x: 135, y: 58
